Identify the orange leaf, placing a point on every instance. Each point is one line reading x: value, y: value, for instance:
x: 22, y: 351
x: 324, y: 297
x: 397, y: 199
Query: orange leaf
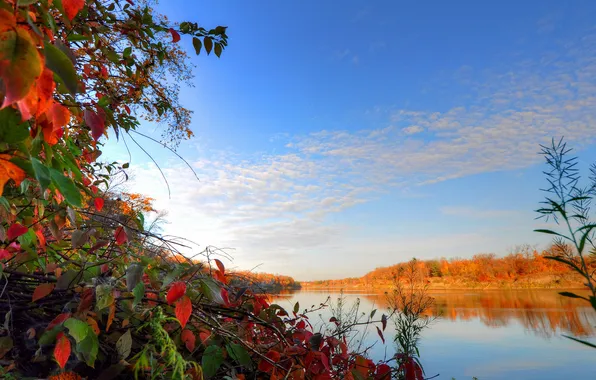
x: 98, y: 203
x: 220, y: 266
x: 15, y: 230
x: 183, y: 310
x: 39, y: 98
x: 189, y: 339
x: 62, y: 350
x: 93, y: 323
x: 176, y: 291
x: 60, y: 318
x: 8, y: 171
x: 204, y: 335
x: 41, y: 238
x: 111, y: 316
x: 96, y: 122
x: 21, y: 65
x: 175, y: 35
x: 120, y: 235
x: 72, y: 7
x: 58, y: 115
x: 42, y: 290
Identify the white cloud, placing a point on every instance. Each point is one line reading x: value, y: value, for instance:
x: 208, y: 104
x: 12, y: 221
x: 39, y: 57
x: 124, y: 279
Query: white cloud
x: 279, y: 208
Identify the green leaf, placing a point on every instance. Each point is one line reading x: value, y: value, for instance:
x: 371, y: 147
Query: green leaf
x: 26, y: 2
x: 212, y: 360
x: 580, y: 341
x: 77, y: 329
x: 211, y: 290
x: 124, y: 344
x: 12, y: 130
x: 62, y: 66
x: 89, y: 348
x: 42, y: 173
x: 104, y: 296
x: 196, y: 42
x: 4, y: 203
x: 239, y: 353
x: 49, y: 337
x: 77, y: 37
x: 296, y: 307
x: 66, y: 187
x: 138, y: 292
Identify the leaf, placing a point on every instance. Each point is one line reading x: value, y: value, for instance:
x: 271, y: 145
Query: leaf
x: 93, y: 324
x: 380, y: 334
x: 42, y: 290
x: 208, y: 42
x: 189, y: 339
x: 77, y: 329
x: 111, y: 314
x: 8, y: 171
x: 60, y: 318
x: 98, y: 203
x: 296, y: 307
x: 239, y: 354
x: 96, y: 122
x: 59, y: 116
x: 124, y: 345
x: 62, y: 350
x: 20, y: 62
x: 78, y: 238
x: 104, y: 296
x: 120, y: 235
x: 67, y: 187
x: 175, y: 35
x: 138, y: 292
x: 134, y: 273
x: 212, y: 290
x: 212, y: 360
x: 183, y: 310
x: 62, y: 66
x: 68, y: 279
x: 12, y: 130
x: 6, y: 345
x: 42, y: 173
x: 89, y: 348
x: 220, y: 266
x: 72, y: 7
x: 177, y: 290
x: 265, y: 365
x: 217, y: 50
x: 384, y: 321
x: 15, y: 230
x: 39, y: 97
x: 196, y: 42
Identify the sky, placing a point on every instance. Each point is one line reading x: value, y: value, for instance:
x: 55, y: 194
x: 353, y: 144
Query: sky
x: 333, y: 138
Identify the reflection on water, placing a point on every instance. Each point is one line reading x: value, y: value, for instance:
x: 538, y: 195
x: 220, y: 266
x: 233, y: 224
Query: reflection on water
x: 543, y: 312
x: 488, y: 334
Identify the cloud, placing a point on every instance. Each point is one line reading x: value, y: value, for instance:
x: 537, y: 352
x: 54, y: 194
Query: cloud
x: 470, y: 212
x: 280, y: 208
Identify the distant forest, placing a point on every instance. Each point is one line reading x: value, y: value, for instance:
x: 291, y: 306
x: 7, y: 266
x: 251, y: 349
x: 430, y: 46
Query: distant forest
x: 525, y: 268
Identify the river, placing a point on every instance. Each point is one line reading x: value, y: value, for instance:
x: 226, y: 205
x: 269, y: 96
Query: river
x: 484, y: 334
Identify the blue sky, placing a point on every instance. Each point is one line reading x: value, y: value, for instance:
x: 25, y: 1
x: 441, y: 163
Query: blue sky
x: 333, y: 138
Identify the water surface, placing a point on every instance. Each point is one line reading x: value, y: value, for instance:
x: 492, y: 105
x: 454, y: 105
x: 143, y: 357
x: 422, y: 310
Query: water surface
x: 487, y: 334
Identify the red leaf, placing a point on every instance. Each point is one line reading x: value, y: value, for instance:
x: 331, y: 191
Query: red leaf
x: 72, y: 7
x: 224, y: 295
x: 380, y: 334
x: 175, y: 35
x: 189, y: 339
x: 58, y: 115
x: 383, y: 372
x: 176, y: 291
x: 16, y: 230
x: 220, y: 266
x: 183, y: 310
x: 204, y: 335
x: 42, y: 290
x: 60, y: 318
x: 62, y: 350
x: 96, y: 122
x: 5, y: 254
x: 86, y: 300
x: 98, y: 203
x: 264, y: 365
x: 120, y: 235
x: 127, y: 108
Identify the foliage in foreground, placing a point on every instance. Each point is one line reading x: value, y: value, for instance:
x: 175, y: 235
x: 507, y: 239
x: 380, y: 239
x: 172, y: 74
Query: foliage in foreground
x: 86, y: 289
x: 568, y: 204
